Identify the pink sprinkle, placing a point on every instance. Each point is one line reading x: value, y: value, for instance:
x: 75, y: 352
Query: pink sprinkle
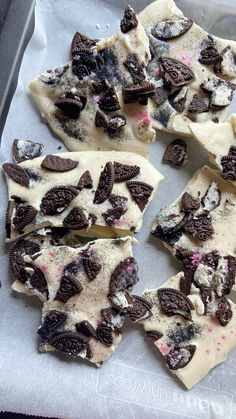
x: 52, y: 253
x: 223, y: 337
x: 210, y: 329
x: 44, y: 267
x: 143, y: 118
x: 187, y: 58
x: 119, y: 223
x: 207, y: 351
x: 158, y: 71
x: 95, y: 98
x: 196, y: 259
x: 163, y: 348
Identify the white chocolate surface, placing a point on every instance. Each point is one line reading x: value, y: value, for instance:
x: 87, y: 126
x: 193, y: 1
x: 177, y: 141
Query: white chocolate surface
x: 216, y: 138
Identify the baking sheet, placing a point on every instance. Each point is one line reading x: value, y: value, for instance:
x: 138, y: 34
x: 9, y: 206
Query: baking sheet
x: 134, y: 383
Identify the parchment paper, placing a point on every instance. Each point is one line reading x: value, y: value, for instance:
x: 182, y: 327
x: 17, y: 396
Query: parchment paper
x: 134, y: 383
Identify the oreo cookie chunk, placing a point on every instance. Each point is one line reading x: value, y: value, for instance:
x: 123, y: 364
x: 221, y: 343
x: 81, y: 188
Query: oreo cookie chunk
x: 79, y: 319
x: 26, y: 150
x: 189, y: 339
x: 195, y: 228
x: 197, y: 70
x: 84, y: 104
x: 176, y: 152
x: 99, y: 192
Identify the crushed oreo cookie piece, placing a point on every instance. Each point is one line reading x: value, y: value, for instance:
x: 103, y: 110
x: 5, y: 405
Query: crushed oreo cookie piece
x: 139, y: 308
x: 178, y: 99
x: 174, y: 302
x: 160, y: 96
x: 225, y: 275
x: 92, y: 266
x: 208, y: 297
x: 86, y: 328
x: 212, y: 197
x: 180, y: 356
x: 170, y: 28
x: 176, y: 152
x: 37, y: 281
x: 8, y: 219
x: 113, y: 215
x: 114, y: 318
x: 104, y: 334
x: 124, y: 276
x: 24, y: 215
x: 118, y: 201
x: 81, y: 41
x: 86, y: 61
x: 181, y: 333
x: 138, y: 93
x: 175, y: 72
x: 70, y: 107
x: 140, y: 193
x: 101, y: 120
x: 58, y: 164
x: 53, y: 321
x: 76, y: 219
x: 154, y: 335
x: 185, y: 285
x: 16, y: 258
x: 57, y: 199
x: 224, y: 312
x: 199, y: 226
x: 115, y: 124
x: 220, y: 91
x: 53, y: 76
x: 124, y: 172
x: 71, y: 343
x: 170, y: 227
x: 228, y: 164
x: 26, y: 150
x: 99, y: 85
x: 105, y: 184
x: 135, y: 68
x: 209, y: 55
x: 198, y: 104
x: 17, y: 173
x: 85, y: 181
x: 69, y: 286
x: 129, y: 20
x: 189, y: 203
x: 109, y: 101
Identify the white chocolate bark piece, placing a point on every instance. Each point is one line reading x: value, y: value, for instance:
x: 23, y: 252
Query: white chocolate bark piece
x: 84, y: 191
x: 90, y: 75
x: 175, y: 37
x: 191, y: 348
x: 220, y: 142
x: 78, y: 317
x: 197, y: 229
